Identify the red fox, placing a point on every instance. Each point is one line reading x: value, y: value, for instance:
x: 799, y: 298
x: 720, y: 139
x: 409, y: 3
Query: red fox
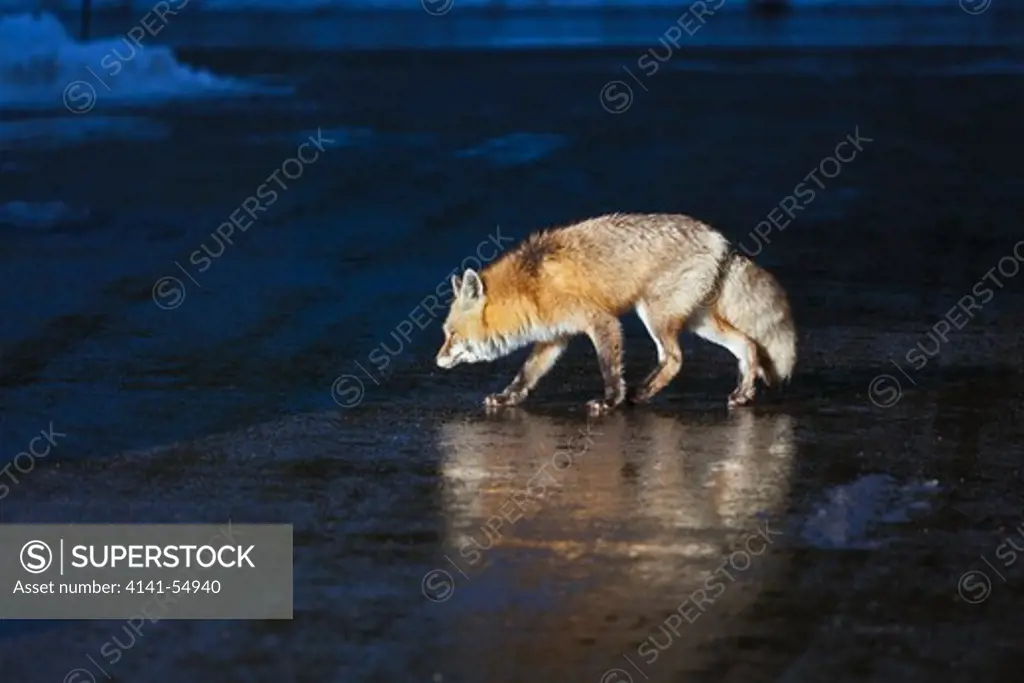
x: 673, y: 270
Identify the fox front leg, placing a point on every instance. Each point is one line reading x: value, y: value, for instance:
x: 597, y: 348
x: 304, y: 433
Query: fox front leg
x: 542, y: 358
x: 606, y: 335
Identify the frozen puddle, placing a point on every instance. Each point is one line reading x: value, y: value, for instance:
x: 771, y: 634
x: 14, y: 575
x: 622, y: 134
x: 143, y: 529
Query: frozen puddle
x: 849, y: 512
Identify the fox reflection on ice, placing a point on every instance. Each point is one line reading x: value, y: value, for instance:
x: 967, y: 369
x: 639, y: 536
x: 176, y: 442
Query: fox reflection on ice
x: 650, y: 508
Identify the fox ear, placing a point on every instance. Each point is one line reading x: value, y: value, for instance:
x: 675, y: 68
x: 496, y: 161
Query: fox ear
x: 472, y: 286
x: 456, y: 285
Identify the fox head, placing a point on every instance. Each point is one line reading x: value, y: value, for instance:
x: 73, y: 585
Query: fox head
x: 466, y: 339
x: 469, y: 338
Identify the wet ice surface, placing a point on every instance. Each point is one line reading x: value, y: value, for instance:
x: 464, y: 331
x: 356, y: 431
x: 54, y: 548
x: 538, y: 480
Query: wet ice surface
x: 604, y: 537
x: 222, y: 408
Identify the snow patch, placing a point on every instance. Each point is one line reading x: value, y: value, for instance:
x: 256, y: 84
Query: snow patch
x: 851, y: 510
x: 42, y: 66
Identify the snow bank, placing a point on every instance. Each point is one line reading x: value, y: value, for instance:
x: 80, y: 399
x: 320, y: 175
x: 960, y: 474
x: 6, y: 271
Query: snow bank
x: 42, y: 66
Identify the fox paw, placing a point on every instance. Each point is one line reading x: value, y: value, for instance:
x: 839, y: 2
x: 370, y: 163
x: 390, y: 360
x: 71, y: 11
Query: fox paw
x: 601, y: 406
x: 503, y: 400
x: 740, y: 397
x: 638, y: 396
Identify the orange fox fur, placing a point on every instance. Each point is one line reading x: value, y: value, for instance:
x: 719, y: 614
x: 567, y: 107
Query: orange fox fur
x: 674, y: 271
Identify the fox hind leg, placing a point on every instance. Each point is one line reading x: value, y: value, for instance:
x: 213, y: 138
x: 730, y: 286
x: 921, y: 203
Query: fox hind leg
x: 717, y: 330
x: 664, y: 330
x: 540, y: 361
x: 670, y: 300
x: 606, y: 334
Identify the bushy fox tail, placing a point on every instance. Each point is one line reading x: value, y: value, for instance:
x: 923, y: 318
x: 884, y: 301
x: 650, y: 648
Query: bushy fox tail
x: 754, y: 302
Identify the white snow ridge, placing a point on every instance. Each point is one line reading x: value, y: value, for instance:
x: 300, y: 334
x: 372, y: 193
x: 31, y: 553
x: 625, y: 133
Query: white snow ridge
x: 43, y: 67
